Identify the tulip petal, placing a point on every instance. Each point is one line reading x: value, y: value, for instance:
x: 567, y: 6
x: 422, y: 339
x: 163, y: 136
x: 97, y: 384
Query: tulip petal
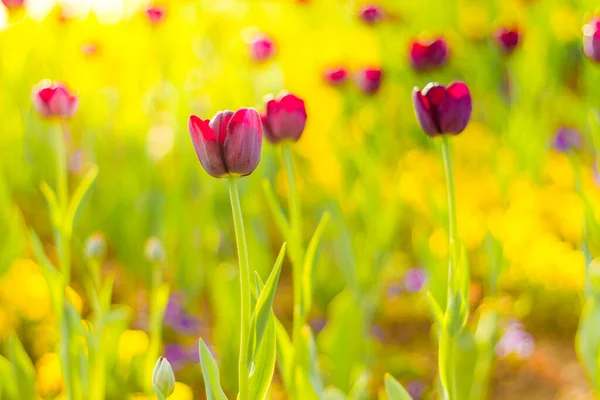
x: 285, y: 118
x: 208, y: 148
x: 424, y: 113
x: 243, y: 143
x: 219, y: 124
x: 454, y: 110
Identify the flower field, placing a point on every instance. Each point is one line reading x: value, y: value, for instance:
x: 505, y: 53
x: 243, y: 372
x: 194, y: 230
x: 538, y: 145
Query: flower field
x: 299, y: 199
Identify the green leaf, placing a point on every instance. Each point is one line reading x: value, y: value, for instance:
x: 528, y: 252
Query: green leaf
x: 8, y: 390
x: 210, y: 371
x: 55, y: 211
x: 278, y: 215
x: 436, y: 310
x: 285, y: 354
x: 333, y: 393
x: 78, y: 195
x: 263, y: 364
x: 23, y: 369
x: 309, y: 263
x: 53, y: 277
x: 395, y: 390
x: 264, y: 307
x: 309, y: 381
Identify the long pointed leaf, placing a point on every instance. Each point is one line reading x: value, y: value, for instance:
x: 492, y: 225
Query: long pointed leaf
x: 23, y: 369
x: 263, y: 364
x: 210, y: 371
x: 276, y: 211
x: 55, y: 211
x: 309, y: 263
x: 395, y: 390
x: 78, y: 195
x: 54, y: 278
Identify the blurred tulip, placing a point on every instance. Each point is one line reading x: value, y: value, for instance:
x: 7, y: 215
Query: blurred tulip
x: 371, y: 14
x: 163, y: 379
x: 369, y: 79
x: 11, y: 4
x: 566, y: 139
x: 262, y: 48
x: 229, y: 144
x: 284, y: 118
x: 507, y: 39
x: 414, y: 279
x: 442, y: 110
x: 336, y: 76
x: 156, y: 14
x: 591, y: 39
x: 95, y: 246
x: 52, y: 99
x: 154, y: 250
x: 428, y: 54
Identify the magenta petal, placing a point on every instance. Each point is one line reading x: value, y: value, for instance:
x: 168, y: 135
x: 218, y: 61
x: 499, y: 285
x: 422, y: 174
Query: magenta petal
x: 454, y: 111
x: 59, y: 102
x: 243, y: 143
x: 285, y: 119
x: 219, y: 124
x: 424, y: 113
x: 207, y: 147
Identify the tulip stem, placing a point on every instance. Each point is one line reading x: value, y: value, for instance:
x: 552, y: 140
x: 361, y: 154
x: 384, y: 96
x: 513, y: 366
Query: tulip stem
x: 245, y: 311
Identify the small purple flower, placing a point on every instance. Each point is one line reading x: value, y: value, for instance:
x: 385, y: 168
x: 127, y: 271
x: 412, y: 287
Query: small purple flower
x: 176, y: 354
x: 414, y: 279
x: 416, y: 389
x: 174, y: 308
x: 515, y: 341
x: 566, y: 139
x: 187, y: 324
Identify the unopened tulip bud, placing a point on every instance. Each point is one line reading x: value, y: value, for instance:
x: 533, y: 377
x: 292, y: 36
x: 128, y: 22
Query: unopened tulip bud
x: 156, y: 14
x: 442, y: 110
x: 262, y: 48
x: 154, y: 251
x: 53, y: 100
x: 507, y: 39
x: 229, y: 144
x: 336, y: 76
x: 95, y: 246
x: 371, y: 14
x: 428, y: 54
x: 369, y: 80
x: 591, y: 39
x: 284, y: 119
x: 163, y: 379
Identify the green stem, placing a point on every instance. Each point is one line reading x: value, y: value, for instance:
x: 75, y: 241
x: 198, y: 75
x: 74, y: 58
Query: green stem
x: 452, y: 224
x: 155, y: 318
x: 245, y: 311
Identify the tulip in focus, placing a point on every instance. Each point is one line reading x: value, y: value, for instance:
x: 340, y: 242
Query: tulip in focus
x: 163, y: 379
x: 369, y: 80
x: 12, y: 4
x: 507, y: 39
x: 591, y: 39
x: 566, y: 139
x: 229, y: 144
x: 443, y: 110
x: 336, y: 76
x: 156, y: 14
x: 53, y: 99
x: 284, y: 118
x: 371, y: 14
x: 262, y: 48
x: 428, y: 54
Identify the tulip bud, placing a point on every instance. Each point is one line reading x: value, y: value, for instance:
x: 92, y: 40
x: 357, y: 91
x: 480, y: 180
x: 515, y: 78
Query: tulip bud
x: 369, y: 79
x: 262, y: 48
x: 229, y: 144
x: 95, y: 246
x: 442, y: 110
x: 12, y: 4
x: 163, y: 379
x: 371, y: 14
x: 591, y: 39
x: 507, y: 39
x: 284, y: 119
x: 154, y: 251
x: 52, y: 99
x: 156, y: 14
x: 336, y: 76
x: 428, y: 54
x: 566, y: 139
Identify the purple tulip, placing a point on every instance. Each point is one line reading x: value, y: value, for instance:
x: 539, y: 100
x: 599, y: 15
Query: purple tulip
x: 428, y: 54
x: 369, y: 80
x: 442, y: 110
x: 591, y: 39
x: 414, y: 279
x: 566, y: 139
x: 336, y: 76
x: 371, y: 14
x: 229, y: 144
x: 284, y: 118
x: 507, y: 39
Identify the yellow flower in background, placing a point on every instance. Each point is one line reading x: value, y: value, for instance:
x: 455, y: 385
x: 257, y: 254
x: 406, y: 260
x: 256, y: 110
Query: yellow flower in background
x: 474, y: 19
x: 74, y: 298
x: 23, y: 290
x: 566, y: 23
x: 182, y: 392
x: 49, y: 381
x: 132, y: 343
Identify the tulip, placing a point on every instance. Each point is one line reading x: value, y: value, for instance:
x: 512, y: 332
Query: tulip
x: 369, y: 79
x: 154, y: 250
x: 95, y: 246
x: 284, y: 118
x: 442, y: 110
x: 261, y: 48
x: 163, y: 379
x: 566, y: 139
x: 12, y: 4
x: 591, y: 39
x: 156, y: 14
x: 52, y: 99
x: 428, y: 54
x: 507, y: 39
x: 371, y: 14
x: 229, y: 144
x: 336, y: 76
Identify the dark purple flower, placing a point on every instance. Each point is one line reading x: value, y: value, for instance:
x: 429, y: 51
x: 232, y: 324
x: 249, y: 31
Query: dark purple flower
x: 507, y: 39
x: 442, y: 110
x: 174, y: 308
x: 428, y: 54
x: 371, y: 14
x: 591, y: 39
x: 284, y: 118
x: 187, y: 324
x: 229, y: 144
x: 262, y: 48
x: 369, y: 79
x: 566, y: 139
x: 336, y: 76
x: 414, y: 279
